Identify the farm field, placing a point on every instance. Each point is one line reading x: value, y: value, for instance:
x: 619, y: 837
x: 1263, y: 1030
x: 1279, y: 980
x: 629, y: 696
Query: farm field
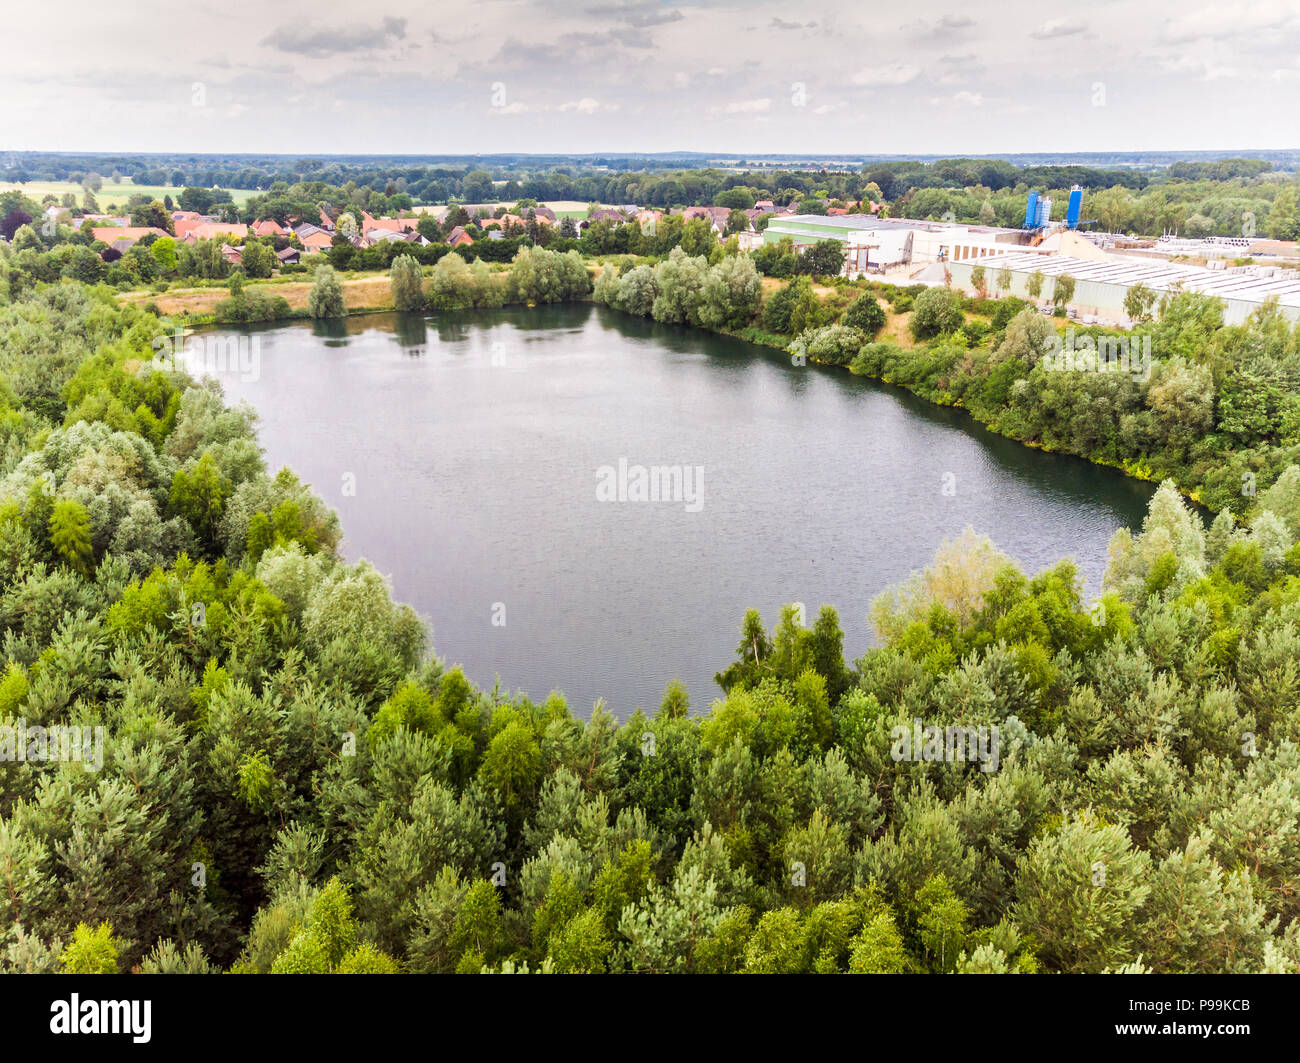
x: 113, y: 192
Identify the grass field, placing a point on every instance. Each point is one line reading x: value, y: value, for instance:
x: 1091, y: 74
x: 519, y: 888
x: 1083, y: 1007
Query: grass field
x: 361, y: 293
x: 564, y: 208
x: 113, y: 192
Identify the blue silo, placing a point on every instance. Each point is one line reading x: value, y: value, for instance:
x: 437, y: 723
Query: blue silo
x: 1031, y: 211
x: 1076, y: 205
x: 1044, y: 211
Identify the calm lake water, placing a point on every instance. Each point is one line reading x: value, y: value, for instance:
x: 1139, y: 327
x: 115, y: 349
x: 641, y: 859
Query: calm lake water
x: 475, y: 442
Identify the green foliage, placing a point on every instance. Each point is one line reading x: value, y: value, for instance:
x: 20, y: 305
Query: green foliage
x: 936, y: 311
x: 70, y: 535
x: 406, y: 282
x: 325, y: 299
x: 91, y: 951
x: 290, y: 784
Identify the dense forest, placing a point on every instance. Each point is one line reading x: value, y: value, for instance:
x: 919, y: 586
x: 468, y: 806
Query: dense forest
x: 292, y: 782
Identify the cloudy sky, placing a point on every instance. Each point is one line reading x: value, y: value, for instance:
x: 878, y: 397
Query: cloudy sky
x: 410, y: 76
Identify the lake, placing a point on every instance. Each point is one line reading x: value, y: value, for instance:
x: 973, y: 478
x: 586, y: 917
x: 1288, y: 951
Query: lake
x: 490, y: 463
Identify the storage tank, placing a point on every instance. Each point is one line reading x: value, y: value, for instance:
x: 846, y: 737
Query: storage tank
x: 1074, y: 207
x: 1044, y: 211
x: 1031, y: 211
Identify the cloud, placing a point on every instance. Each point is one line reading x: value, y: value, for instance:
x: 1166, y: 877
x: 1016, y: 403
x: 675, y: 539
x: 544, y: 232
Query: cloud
x: 948, y: 69
x: 587, y: 105
x: 939, y: 28
x: 640, y: 15
x: 1268, y: 17
x: 760, y: 106
x: 1058, y: 27
x: 892, y: 74
x: 959, y: 99
x: 782, y: 24
x: 1198, y: 68
x: 343, y: 39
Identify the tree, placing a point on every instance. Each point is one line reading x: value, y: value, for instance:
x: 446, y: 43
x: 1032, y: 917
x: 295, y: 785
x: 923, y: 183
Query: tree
x: 865, y: 314
x: 69, y: 528
x: 1078, y: 890
x: 679, y: 283
x: 936, y: 311
x: 1035, y: 285
x: 155, y: 215
x: 1114, y: 208
x: 1284, y: 215
x: 346, y: 229
x: 731, y: 293
x: 406, y: 283
x: 164, y: 252
x: 199, y: 496
x: 91, y: 951
x: 258, y: 260
x: 1138, y: 303
x: 825, y: 258
x: 512, y: 762
x: 979, y: 281
x: 326, y: 296
x: 1062, y: 292
x: 13, y: 221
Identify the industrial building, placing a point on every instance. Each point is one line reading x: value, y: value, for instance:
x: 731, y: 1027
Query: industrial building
x: 1101, y: 284
x: 932, y: 252
x: 877, y: 244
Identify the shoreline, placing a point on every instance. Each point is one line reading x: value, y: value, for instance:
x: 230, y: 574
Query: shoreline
x: 750, y: 335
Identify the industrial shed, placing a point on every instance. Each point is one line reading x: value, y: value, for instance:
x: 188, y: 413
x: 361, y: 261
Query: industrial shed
x: 1100, y: 286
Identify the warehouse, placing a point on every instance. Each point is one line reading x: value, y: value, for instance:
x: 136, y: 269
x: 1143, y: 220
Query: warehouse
x: 878, y: 244
x: 1101, y: 285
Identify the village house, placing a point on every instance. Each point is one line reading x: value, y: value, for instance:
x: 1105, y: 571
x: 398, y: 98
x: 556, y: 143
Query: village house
x: 717, y: 217
x: 114, y: 234
x: 458, y: 237
x: 396, y: 225
x: 313, y: 238
x: 289, y: 256
x: 232, y: 254
x: 208, y: 230
x: 268, y: 227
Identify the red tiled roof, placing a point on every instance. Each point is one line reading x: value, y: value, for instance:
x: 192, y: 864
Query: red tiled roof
x: 113, y: 233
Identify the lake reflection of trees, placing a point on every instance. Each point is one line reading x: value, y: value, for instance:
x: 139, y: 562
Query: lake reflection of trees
x: 412, y: 330
x: 333, y: 330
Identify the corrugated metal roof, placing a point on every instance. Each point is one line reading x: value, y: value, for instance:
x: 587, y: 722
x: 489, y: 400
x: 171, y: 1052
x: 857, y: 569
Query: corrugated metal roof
x: 1159, y: 276
x: 867, y: 221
